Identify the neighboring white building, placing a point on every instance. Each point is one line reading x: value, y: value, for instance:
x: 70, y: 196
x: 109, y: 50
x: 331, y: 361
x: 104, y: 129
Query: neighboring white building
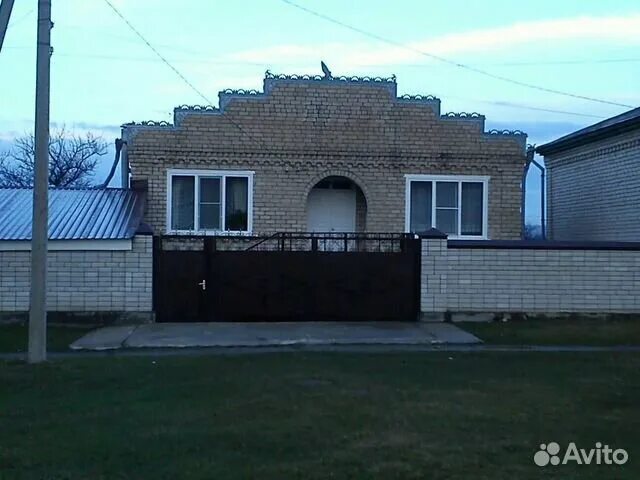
x: 593, y: 189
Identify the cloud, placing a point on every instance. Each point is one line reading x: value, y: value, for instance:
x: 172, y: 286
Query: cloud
x: 615, y: 29
x: 175, y: 92
x: 8, y: 136
x: 83, y: 126
x: 281, y: 52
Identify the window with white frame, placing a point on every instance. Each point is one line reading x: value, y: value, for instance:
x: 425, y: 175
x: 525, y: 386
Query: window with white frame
x: 209, y: 201
x: 455, y: 205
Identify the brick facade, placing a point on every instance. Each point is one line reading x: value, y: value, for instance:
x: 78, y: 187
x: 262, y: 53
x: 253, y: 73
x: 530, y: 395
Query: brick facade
x: 593, y: 190
x: 117, y: 281
x: 525, y: 280
x: 302, y: 130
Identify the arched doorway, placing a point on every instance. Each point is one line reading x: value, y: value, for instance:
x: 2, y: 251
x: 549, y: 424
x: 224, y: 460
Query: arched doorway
x: 336, y: 204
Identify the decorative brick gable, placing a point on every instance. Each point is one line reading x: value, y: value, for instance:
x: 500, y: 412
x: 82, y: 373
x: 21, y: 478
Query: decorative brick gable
x: 301, y: 129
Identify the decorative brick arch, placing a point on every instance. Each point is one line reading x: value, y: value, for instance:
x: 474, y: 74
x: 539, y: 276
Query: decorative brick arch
x: 335, y: 173
x: 361, y: 208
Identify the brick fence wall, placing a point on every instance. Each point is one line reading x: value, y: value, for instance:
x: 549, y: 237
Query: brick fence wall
x: 540, y: 280
x: 83, y: 281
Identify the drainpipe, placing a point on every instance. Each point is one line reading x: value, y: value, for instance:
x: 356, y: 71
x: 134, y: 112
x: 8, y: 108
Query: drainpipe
x: 119, y: 145
x: 124, y: 168
x: 523, y: 200
x: 530, y: 160
x: 543, y: 194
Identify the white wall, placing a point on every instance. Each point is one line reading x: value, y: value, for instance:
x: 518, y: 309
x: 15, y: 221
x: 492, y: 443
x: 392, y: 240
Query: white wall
x: 83, y: 281
x: 528, y: 280
x: 594, y: 190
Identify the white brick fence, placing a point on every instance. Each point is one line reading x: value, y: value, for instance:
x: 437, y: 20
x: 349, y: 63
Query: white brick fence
x: 456, y: 277
x: 535, y: 277
x: 96, y: 282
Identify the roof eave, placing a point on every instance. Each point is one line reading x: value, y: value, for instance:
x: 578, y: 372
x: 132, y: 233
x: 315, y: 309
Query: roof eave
x: 572, y: 140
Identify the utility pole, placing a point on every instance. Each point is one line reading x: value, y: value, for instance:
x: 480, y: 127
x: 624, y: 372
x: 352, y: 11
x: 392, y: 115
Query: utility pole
x: 39, y: 231
x: 5, y: 13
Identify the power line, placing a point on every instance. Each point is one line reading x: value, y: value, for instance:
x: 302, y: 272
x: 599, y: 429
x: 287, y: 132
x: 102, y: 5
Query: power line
x: 177, y: 72
x: 20, y: 19
x: 447, y: 61
x: 541, y: 109
x: 520, y: 106
x: 158, y: 54
x: 532, y: 63
x: 99, y: 56
x: 572, y: 61
x: 536, y: 63
x: 267, y: 65
x: 499, y: 103
x: 590, y: 61
x: 242, y: 130
x: 360, y: 65
x: 106, y: 32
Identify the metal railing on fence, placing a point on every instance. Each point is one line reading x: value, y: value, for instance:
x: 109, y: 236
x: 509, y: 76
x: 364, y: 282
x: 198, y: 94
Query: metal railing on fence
x: 333, y: 242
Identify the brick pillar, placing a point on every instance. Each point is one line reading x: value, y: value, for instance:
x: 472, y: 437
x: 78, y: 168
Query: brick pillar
x: 433, y: 273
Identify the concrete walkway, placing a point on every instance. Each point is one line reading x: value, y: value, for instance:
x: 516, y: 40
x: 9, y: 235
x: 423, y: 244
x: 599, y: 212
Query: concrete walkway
x: 193, y: 335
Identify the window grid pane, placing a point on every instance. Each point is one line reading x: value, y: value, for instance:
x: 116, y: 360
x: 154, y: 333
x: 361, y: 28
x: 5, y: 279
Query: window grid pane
x: 209, y: 189
x: 447, y: 220
x: 236, y: 204
x: 472, y: 208
x: 421, y: 206
x: 182, y: 202
x: 447, y: 207
x: 209, y: 216
x: 210, y: 203
x: 447, y: 194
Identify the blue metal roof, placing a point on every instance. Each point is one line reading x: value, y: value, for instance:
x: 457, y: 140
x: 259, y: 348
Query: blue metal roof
x: 74, y: 214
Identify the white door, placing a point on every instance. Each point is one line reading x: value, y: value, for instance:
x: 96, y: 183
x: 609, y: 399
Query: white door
x: 331, y: 210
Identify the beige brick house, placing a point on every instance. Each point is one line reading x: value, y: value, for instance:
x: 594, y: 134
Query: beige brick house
x: 327, y: 154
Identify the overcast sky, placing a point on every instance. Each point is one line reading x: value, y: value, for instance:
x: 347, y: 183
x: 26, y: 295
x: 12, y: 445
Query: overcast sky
x: 103, y: 75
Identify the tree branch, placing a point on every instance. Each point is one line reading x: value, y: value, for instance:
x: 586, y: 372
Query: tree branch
x: 72, y: 160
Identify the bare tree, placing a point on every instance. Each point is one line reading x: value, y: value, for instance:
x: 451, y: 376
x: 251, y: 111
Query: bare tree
x: 72, y: 160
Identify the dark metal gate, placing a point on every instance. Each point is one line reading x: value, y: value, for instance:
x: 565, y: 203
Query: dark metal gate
x: 289, y: 277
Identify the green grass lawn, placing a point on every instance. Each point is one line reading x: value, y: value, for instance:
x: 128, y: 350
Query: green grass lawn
x: 584, y: 331
x: 14, y: 338
x: 316, y: 416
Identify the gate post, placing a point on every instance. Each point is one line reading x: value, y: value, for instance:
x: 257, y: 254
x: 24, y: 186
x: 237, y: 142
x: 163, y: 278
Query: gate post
x: 433, y: 258
x: 156, y: 275
x: 209, y: 301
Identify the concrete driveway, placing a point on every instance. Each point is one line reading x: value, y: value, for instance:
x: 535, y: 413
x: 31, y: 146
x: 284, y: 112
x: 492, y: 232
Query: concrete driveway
x: 184, y: 335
